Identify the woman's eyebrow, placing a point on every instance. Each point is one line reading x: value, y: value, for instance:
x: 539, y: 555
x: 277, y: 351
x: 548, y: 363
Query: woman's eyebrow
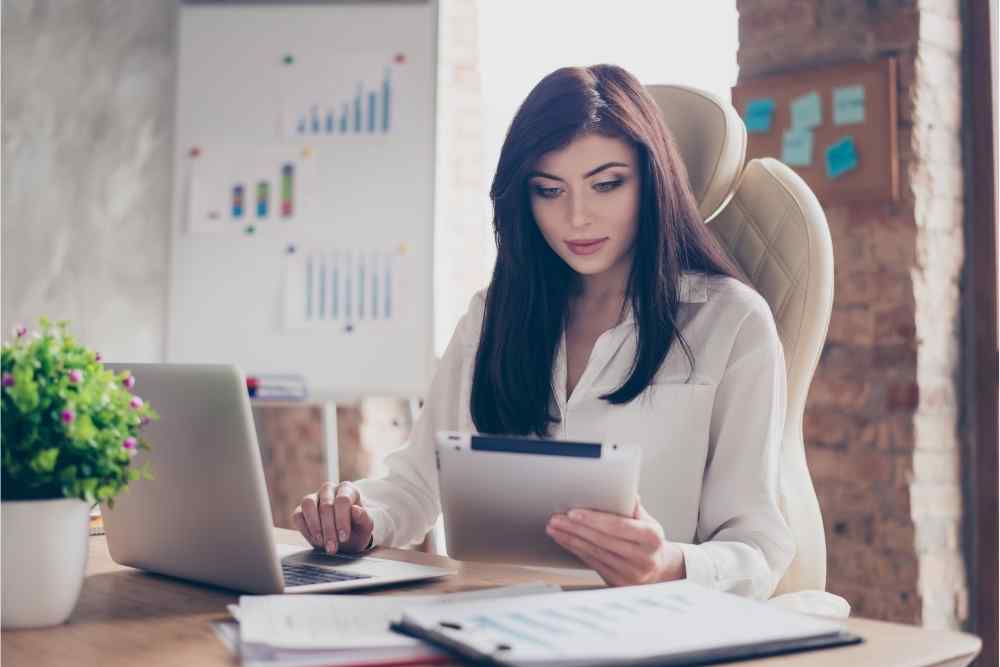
x: 587, y: 175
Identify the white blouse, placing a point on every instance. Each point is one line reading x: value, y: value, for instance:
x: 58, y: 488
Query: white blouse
x: 710, y: 446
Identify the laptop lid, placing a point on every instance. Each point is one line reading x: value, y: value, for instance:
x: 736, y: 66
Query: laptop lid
x: 205, y: 516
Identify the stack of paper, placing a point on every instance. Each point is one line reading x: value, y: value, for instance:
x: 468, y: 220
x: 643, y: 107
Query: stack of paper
x: 313, y: 630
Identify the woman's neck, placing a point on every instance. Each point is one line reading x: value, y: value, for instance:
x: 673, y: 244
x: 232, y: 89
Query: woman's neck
x: 603, y: 288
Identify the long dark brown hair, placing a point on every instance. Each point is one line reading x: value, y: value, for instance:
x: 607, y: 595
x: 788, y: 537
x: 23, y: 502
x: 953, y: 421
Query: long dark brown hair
x: 527, y: 299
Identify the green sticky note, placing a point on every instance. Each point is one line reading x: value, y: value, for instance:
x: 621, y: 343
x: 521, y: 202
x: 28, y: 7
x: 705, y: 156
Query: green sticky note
x: 848, y: 105
x: 758, y: 115
x: 797, y: 147
x: 807, y: 111
x: 841, y: 157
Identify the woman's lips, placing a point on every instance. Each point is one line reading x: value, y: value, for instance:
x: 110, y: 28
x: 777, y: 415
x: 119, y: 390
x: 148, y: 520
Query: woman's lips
x: 585, y: 247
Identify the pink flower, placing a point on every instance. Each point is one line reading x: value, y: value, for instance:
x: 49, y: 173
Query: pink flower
x: 20, y: 330
x: 129, y: 382
x: 136, y: 402
x: 76, y: 376
x: 8, y: 380
x: 129, y: 443
x: 67, y: 416
x: 145, y: 420
x: 98, y: 357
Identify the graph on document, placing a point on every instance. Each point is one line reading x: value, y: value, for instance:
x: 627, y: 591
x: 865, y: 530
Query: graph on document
x: 355, y: 95
x: 234, y: 188
x: 341, y: 288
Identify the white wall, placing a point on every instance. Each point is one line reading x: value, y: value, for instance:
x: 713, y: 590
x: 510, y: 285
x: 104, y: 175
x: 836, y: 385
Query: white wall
x: 87, y: 117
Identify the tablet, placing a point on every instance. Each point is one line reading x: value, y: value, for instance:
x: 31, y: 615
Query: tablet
x: 498, y: 492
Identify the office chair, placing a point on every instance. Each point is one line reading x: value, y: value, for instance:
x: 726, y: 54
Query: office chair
x: 772, y: 225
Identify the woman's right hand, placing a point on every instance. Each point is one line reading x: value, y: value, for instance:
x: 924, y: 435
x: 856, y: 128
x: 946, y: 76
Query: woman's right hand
x: 334, y: 519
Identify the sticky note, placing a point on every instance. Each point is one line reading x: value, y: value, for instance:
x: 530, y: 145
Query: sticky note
x: 848, y: 105
x: 841, y: 157
x: 797, y: 148
x: 807, y: 111
x: 758, y: 114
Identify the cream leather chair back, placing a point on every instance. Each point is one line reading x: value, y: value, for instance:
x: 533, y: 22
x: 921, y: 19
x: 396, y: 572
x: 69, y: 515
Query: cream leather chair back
x: 773, y: 226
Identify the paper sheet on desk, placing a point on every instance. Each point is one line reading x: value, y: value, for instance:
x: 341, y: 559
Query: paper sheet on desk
x: 344, y: 621
x: 613, y: 626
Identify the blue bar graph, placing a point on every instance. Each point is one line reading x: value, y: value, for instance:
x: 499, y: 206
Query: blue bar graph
x: 357, y: 109
x: 347, y: 287
x: 368, y: 111
x: 386, y: 93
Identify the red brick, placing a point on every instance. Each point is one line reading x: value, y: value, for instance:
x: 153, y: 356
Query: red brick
x: 871, y: 466
x: 872, y: 288
x: 895, y: 325
x: 902, y: 397
x: 825, y: 428
x: 853, y: 325
x: 897, y: 32
x: 888, y: 434
x: 843, y: 393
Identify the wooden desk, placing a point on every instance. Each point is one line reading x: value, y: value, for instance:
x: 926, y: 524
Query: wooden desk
x: 126, y: 617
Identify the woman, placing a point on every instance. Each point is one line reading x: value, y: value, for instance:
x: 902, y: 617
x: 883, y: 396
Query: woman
x: 612, y: 313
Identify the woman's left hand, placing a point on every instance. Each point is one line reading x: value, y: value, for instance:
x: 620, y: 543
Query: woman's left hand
x: 623, y: 550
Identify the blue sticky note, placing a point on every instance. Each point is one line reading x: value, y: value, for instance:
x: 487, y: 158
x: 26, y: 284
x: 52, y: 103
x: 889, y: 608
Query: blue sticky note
x: 758, y: 115
x: 797, y: 148
x: 841, y: 157
x: 807, y: 111
x: 848, y: 105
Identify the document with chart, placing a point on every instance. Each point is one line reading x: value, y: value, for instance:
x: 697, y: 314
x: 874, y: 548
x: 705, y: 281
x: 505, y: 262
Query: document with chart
x: 670, y: 623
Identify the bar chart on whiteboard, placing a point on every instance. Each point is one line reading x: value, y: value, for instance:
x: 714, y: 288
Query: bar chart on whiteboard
x: 248, y: 189
x: 346, y: 94
x: 342, y: 289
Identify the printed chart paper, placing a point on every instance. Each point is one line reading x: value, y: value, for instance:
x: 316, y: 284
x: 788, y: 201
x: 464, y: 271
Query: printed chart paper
x: 350, y: 95
x: 344, y: 288
x: 244, y: 189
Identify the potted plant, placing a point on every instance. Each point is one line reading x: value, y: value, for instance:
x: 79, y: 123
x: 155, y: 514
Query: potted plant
x: 69, y: 431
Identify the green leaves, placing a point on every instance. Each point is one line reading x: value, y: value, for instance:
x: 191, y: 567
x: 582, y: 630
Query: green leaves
x: 65, y: 420
x: 45, y: 460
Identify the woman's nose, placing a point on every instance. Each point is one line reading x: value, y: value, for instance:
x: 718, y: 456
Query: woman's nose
x: 578, y: 213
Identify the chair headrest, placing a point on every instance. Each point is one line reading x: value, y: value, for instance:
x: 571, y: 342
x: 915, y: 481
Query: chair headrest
x: 712, y: 140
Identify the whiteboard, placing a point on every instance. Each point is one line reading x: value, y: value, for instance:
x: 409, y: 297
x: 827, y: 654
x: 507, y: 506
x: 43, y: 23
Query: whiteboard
x: 302, y: 237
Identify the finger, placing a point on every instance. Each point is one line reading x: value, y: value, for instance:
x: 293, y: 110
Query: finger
x: 362, y: 526
x: 609, y: 576
x: 606, y: 564
x: 326, y: 519
x: 351, y: 491
x: 637, y: 555
x: 641, y: 532
x: 300, y: 525
x: 311, y: 515
x: 342, y: 517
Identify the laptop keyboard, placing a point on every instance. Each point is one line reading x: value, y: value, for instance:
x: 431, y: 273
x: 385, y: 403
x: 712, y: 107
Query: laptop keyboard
x: 298, y: 574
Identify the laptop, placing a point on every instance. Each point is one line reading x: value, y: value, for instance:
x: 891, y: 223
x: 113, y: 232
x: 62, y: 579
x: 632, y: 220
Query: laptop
x: 206, y: 515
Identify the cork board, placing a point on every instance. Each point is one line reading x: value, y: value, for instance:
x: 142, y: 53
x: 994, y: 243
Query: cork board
x: 870, y: 170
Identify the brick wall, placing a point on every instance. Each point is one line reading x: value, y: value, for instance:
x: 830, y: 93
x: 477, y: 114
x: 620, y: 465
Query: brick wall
x: 463, y: 233
x: 881, y: 422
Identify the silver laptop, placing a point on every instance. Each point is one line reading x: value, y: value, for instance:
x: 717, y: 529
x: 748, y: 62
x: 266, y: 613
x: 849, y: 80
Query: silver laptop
x: 206, y: 515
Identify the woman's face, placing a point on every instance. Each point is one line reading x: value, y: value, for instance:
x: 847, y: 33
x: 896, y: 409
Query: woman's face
x: 585, y: 198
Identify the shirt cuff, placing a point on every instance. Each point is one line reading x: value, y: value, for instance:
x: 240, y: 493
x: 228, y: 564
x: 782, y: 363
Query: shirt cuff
x: 699, y: 566
x: 381, y: 523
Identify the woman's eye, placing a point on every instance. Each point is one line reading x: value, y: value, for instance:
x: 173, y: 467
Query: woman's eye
x: 607, y: 185
x: 548, y: 193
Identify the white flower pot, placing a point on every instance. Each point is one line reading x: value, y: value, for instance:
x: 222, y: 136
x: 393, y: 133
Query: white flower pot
x: 44, y: 560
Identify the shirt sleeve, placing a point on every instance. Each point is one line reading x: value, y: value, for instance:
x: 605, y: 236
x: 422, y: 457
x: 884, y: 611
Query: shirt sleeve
x: 744, y: 544
x: 405, y: 503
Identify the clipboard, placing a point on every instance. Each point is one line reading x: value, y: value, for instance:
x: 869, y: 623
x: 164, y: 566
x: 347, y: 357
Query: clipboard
x: 685, y: 624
